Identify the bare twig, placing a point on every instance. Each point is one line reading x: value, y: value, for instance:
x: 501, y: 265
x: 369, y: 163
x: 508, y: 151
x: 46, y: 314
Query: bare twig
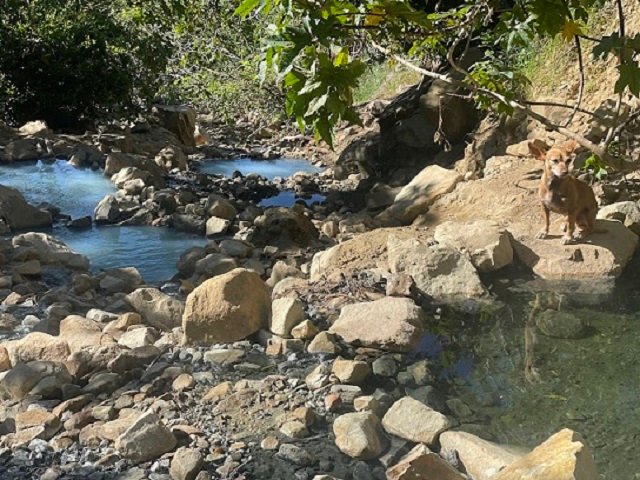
x: 581, y: 84
x: 622, y: 30
x: 563, y: 105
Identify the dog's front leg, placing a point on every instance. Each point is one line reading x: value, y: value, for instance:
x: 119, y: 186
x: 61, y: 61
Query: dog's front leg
x: 571, y: 227
x: 545, y: 230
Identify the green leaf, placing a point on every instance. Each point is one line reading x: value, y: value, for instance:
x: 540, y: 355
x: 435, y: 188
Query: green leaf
x: 246, y: 7
x: 629, y: 77
x: 316, y: 104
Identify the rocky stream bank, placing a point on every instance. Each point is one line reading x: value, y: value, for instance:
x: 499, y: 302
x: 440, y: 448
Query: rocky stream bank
x: 290, y: 346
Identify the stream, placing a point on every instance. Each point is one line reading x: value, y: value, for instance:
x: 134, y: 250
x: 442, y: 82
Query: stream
x: 153, y: 251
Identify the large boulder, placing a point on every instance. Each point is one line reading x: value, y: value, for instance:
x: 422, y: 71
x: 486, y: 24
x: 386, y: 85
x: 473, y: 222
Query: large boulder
x: 626, y: 212
x: 603, y: 255
x: 487, y: 243
x: 117, y: 161
x: 285, y: 228
x: 18, y: 214
x: 156, y: 308
x: 226, y: 308
x: 365, y: 252
x: 359, y: 435
x: 394, y: 324
x: 26, y: 149
x: 178, y: 119
x: 414, y: 421
x: 37, y: 346
x: 564, y: 456
x: 438, y: 270
x: 108, y: 210
x: 146, y: 439
x: 80, y: 332
x: 416, y: 197
x: 447, y: 107
x: 47, y: 377
x: 133, y: 175
x: 423, y: 464
x: 481, y: 459
x: 51, y: 250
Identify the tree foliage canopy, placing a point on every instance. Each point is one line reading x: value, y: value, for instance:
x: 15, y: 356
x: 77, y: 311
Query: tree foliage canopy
x: 62, y: 61
x: 312, y: 47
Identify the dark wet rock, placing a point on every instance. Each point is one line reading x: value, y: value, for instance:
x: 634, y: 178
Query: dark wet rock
x: 561, y: 324
x: 18, y: 214
x: 107, y: 210
x: 188, y: 223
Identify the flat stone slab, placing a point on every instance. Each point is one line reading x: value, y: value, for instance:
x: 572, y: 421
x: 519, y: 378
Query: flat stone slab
x: 602, y: 255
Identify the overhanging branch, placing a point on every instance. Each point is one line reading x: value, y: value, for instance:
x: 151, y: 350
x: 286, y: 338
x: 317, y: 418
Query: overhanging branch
x: 615, y: 162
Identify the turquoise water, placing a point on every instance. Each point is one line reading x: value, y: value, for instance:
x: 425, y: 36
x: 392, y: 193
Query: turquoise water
x: 75, y: 191
x: 153, y: 251
x: 270, y: 169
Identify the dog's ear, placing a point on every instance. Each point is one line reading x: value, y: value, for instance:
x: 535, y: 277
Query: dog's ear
x: 570, y: 146
x: 537, y: 150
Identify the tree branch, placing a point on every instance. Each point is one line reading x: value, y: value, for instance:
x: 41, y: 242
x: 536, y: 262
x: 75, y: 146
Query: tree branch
x: 622, y: 30
x: 617, y: 163
x: 562, y: 105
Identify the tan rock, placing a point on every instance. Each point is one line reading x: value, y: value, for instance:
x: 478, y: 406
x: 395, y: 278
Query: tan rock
x: 394, y: 324
x: 186, y: 464
x: 416, y: 197
x: 157, y: 309
x: 38, y: 418
x: 414, y: 421
x: 602, y: 256
x: 138, y: 337
x: 217, y: 392
x: 323, y: 342
x: 487, y: 243
x: 37, y: 346
x: 481, y: 459
x: 305, y: 330
x: 227, y: 308
x: 182, y: 382
x: 423, y: 464
x: 146, y: 439
x: 564, y: 456
x: 438, y: 270
x: 80, y: 332
x: 5, y: 360
x: 286, y: 313
x: 359, y: 435
x: 350, y: 371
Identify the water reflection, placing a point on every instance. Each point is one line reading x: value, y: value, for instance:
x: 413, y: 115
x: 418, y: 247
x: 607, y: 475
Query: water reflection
x: 549, y: 358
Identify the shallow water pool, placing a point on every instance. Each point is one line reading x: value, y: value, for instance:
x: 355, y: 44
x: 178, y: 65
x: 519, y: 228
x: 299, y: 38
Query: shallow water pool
x: 153, y: 251
x: 281, y: 167
x: 589, y: 384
